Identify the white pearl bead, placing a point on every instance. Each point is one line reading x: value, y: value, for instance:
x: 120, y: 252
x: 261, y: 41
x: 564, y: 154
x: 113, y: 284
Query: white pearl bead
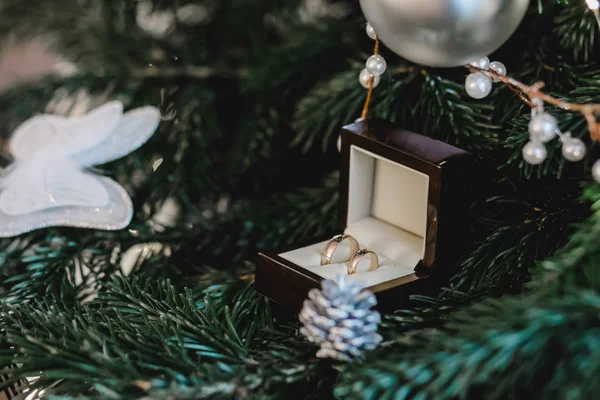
x: 498, y: 68
x: 364, y: 79
x: 596, y: 171
x: 371, y: 31
x: 573, y: 149
x: 543, y: 127
x: 478, y: 85
x: 376, y: 65
x: 535, y: 152
x: 483, y: 63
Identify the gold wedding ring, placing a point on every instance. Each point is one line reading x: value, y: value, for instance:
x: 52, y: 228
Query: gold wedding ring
x: 358, y: 256
x: 333, y: 245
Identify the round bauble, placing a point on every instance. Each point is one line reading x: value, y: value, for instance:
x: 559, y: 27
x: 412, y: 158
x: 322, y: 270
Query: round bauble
x: 478, y: 85
x: 444, y: 33
x: 535, y: 152
x: 543, y: 127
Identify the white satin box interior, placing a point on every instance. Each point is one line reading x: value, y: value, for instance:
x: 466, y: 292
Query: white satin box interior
x: 402, y: 196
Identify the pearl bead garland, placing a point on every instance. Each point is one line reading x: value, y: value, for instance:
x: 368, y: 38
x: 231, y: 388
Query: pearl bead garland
x: 535, y: 152
x: 498, y: 68
x: 371, y: 31
x: 596, y: 171
x: 573, y: 149
x: 543, y: 127
x: 483, y: 63
x: 478, y: 85
x: 376, y: 65
x: 365, y: 77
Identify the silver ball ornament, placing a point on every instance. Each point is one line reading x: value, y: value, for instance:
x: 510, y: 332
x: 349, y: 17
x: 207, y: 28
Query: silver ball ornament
x: 364, y: 79
x: 478, y: 85
x: 543, y: 127
x: 483, y: 63
x: 535, y: 152
x: 376, y: 65
x: 498, y: 68
x: 444, y: 33
x: 371, y: 32
x: 596, y: 171
x: 573, y: 149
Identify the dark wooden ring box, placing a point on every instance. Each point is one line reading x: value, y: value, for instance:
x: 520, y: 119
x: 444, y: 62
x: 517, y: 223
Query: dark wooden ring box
x: 403, y: 196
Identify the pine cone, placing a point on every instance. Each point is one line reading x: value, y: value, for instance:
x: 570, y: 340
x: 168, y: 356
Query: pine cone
x: 340, y: 319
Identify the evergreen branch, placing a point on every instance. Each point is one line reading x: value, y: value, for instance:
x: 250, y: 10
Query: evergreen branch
x: 459, y: 121
x: 577, y: 31
x: 326, y: 108
x: 263, y: 224
x: 528, y: 346
x: 517, y: 231
x: 574, y: 267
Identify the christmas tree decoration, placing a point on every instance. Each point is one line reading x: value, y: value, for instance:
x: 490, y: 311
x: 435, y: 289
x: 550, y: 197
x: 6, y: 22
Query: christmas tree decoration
x: 487, y: 277
x: 596, y: 171
x: 573, y: 149
x: 376, y: 65
x: 543, y: 127
x: 444, y: 34
x: 47, y: 185
x: 365, y: 79
x: 483, y: 63
x: 339, y: 319
x: 478, y: 85
x: 535, y: 152
x: 371, y: 32
x: 498, y: 68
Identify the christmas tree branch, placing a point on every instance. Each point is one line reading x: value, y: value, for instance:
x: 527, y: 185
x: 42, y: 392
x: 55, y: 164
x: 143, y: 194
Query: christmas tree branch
x: 529, y: 346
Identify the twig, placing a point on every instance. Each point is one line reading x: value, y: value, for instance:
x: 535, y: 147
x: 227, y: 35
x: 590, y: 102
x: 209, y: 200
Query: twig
x: 365, y: 110
x: 528, y: 93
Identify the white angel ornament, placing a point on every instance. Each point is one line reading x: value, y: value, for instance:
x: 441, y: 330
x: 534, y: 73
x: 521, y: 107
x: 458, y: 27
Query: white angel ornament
x: 49, y: 184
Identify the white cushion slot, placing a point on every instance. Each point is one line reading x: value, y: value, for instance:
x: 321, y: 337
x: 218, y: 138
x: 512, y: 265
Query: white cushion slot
x: 387, y: 213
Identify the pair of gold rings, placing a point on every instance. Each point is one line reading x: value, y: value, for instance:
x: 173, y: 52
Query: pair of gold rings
x: 355, y: 250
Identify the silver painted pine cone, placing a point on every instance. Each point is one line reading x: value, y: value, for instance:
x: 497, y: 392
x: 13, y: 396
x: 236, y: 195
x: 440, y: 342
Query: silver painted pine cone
x: 339, y: 318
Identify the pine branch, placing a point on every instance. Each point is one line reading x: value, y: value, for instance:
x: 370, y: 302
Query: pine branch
x: 518, y: 229
x: 577, y: 31
x: 529, y: 346
x: 574, y: 267
x: 445, y: 113
x: 263, y: 224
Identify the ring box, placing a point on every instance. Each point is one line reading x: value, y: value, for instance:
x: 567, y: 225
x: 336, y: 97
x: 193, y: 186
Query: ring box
x: 402, y: 195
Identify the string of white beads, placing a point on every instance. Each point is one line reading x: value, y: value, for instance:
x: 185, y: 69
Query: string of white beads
x: 543, y: 127
x: 375, y: 65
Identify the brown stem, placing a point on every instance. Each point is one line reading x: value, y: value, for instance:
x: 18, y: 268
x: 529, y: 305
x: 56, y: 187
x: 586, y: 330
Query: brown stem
x: 365, y: 109
x: 535, y: 91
